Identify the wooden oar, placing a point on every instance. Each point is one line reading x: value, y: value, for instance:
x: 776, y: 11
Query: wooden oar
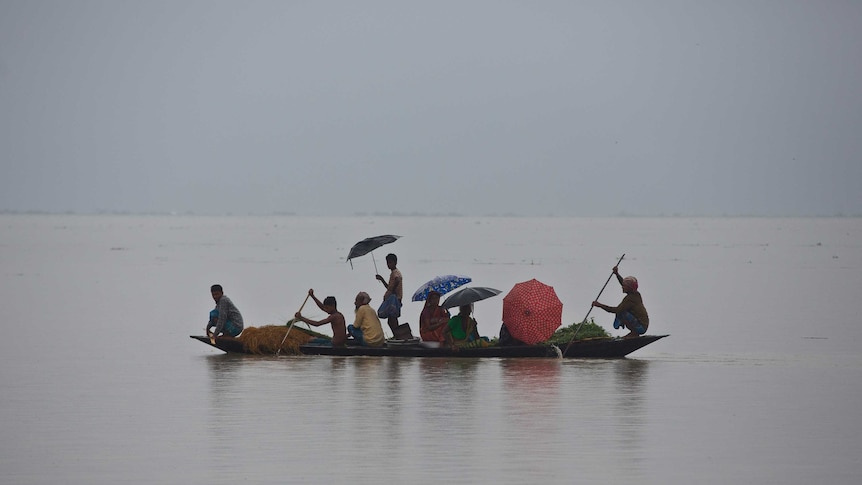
x: 591, y: 306
x: 292, y: 321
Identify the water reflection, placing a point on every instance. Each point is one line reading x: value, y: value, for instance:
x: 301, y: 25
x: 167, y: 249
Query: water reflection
x: 609, y: 399
x: 449, y: 386
x: 444, y: 392
x: 532, y: 375
x: 630, y: 409
x: 337, y: 369
x: 631, y: 378
x: 225, y: 407
x: 223, y: 375
x: 531, y: 392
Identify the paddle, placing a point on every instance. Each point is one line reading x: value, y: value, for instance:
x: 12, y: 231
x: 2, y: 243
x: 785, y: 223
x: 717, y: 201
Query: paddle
x: 591, y: 306
x: 292, y: 321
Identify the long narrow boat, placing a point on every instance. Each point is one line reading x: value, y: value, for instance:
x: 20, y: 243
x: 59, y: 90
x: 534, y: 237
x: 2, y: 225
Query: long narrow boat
x: 602, y: 348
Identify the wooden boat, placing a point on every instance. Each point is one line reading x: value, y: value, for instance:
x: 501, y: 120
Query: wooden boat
x: 226, y: 344
x: 601, y: 348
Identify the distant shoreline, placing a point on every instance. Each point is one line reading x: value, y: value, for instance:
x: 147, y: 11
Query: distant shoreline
x: 432, y: 215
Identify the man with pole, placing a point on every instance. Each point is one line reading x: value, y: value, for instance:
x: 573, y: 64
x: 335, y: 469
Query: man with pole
x: 335, y: 319
x: 631, y: 312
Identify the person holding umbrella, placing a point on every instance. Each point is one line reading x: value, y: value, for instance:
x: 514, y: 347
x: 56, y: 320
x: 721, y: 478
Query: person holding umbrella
x: 631, y: 312
x: 463, y: 331
x: 433, y: 319
x: 394, y: 290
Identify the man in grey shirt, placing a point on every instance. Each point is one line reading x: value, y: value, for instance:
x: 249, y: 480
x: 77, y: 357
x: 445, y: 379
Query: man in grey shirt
x: 226, y: 317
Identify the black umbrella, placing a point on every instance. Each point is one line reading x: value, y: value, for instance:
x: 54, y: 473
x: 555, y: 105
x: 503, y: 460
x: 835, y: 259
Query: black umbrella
x: 368, y: 245
x: 470, y: 295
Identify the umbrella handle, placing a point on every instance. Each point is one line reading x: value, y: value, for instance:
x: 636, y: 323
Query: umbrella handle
x: 591, y: 306
x: 375, y: 263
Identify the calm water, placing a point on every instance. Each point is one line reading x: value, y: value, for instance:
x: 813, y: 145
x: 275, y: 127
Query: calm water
x: 760, y: 381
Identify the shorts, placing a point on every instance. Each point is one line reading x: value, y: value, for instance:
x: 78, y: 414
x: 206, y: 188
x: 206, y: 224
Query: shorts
x: 230, y: 328
x: 356, y: 333
x: 629, y: 321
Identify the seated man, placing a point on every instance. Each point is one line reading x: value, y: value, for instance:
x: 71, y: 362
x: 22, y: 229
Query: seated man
x: 631, y: 312
x: 366, y: 328
x: 335, y: 319
x: 225, y: 317
x: 506, y: 338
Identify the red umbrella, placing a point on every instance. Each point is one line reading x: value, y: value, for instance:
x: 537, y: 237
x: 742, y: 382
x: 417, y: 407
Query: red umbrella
x: 532, y: 311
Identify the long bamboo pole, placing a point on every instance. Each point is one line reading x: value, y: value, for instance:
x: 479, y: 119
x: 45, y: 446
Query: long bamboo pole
x: 591, y: 305
x: 292, y: 321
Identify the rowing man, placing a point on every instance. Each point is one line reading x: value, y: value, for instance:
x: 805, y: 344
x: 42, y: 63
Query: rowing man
x: 631, y: 312
x: 335, y: 319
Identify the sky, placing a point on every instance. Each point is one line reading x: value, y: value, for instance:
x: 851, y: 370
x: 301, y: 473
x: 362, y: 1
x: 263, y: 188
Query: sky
x: 534, y: 108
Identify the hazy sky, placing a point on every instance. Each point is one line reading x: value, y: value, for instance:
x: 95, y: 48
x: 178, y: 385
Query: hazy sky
x: 475, y: 107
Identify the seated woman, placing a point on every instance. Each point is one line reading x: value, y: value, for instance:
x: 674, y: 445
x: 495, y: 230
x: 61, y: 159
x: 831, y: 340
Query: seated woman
x: 433, y: 319
x: 462, y: 330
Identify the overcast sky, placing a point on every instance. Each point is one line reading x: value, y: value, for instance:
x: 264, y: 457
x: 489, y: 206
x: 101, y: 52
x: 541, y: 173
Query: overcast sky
x: 474, y: 107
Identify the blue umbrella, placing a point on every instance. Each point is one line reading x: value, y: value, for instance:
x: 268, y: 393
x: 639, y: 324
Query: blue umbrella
x: 440, y: 284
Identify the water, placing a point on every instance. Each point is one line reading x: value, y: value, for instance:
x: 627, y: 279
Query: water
x: 758, y: 383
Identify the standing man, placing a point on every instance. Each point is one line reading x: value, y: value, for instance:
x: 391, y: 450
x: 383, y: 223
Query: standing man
x: 631, y: 312
x: 335, y: 319
x: 225, y: 317
x: 393, y: 287
x: 366, y: 328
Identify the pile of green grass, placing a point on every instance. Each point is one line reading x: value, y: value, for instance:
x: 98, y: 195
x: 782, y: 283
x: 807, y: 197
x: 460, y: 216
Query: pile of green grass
x: 590, y: 329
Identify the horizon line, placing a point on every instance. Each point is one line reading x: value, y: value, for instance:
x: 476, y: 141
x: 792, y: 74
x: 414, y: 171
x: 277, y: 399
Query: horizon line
x: 414, y: 214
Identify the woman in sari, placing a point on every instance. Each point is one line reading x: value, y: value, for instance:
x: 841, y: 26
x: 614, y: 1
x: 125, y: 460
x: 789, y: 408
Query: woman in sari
x: 433, y: 319
x: 463, y: 330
